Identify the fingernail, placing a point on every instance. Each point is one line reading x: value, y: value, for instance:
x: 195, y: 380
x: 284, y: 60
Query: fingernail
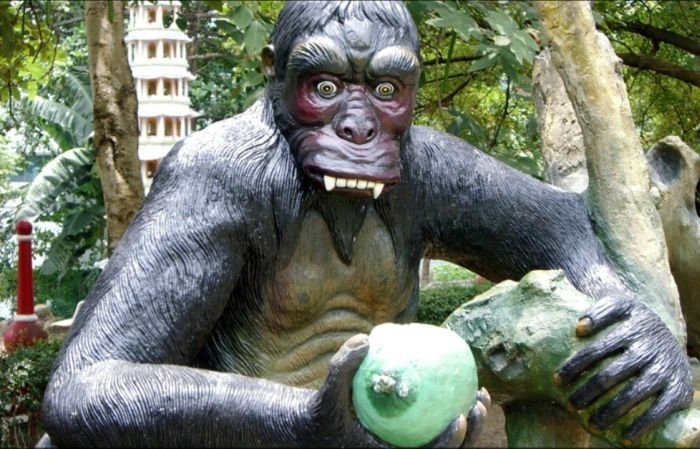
x: 485, y: 397
x: 570, y: 407
x: 627, y: 442
x: 482, y: 409
x: 584, y: 326
x: 557, y: 380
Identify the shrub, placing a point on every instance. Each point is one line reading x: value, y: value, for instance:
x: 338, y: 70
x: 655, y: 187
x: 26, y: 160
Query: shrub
x: 436, y: 304
x: 24, y: 374
x: 64, y: 292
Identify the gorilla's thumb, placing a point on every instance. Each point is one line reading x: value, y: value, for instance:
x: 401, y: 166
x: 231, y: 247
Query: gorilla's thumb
x: 343, y: 365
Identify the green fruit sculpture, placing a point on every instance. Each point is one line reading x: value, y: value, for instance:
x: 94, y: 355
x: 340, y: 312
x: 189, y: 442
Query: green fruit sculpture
x: 415, y: 380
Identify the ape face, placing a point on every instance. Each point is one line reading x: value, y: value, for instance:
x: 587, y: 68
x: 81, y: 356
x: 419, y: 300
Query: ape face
x: 350, y: 91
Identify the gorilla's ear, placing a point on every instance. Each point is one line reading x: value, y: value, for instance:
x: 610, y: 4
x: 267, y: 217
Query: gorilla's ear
x: 268, y: 59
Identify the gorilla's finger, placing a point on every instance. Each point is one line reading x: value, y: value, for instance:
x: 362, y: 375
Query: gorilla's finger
x: 343, y: 365
x: 621, y: 369
x: 590, y: 355
x: 654, y: 416
x: 601, y: 314
x: 453, y: 435
x: 484, y: 397
x: 632, y: 394
x: 476, y: 422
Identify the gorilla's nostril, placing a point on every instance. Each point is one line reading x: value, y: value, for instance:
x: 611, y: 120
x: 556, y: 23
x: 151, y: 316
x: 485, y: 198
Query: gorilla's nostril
x: 347, y: 132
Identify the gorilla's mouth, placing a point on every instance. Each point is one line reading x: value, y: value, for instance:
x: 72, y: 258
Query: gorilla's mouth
x: 351, y: 184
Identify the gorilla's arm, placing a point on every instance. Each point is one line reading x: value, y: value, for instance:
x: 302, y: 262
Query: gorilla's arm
x: 501, y: 223
x: 152, y: 308
x: 122, y: 377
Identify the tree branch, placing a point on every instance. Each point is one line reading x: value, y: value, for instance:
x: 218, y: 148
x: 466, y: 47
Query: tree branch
x: 503, y: 116
x: 448, y: 98
x: 665, y: 68
x: 441, y: 60
x: 65, y: 22
x: 206, y: 56
x: 659, y: 35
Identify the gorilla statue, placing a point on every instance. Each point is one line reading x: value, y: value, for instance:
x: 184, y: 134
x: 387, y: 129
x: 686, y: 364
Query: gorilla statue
x: 235, y: 310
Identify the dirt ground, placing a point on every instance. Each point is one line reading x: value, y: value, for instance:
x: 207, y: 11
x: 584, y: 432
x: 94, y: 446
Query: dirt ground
x: 494, y: 435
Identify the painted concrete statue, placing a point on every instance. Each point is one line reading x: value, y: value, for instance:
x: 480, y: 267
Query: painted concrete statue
x: 236, y: 308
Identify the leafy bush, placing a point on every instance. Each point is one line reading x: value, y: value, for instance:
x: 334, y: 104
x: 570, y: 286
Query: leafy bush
x: 24, y: 374
x: 62, y: 292
x: 65, y: 292
x: 436, y: 304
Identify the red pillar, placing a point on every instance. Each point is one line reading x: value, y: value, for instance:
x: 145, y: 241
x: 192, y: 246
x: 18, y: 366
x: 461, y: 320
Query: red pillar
x: 24, y: 328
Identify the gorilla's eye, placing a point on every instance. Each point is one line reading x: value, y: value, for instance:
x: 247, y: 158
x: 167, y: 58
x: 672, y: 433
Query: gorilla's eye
x: 385, y: 89
x: 327, y: 89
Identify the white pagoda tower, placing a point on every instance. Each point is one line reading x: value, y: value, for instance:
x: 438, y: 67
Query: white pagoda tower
x: 158, y: 60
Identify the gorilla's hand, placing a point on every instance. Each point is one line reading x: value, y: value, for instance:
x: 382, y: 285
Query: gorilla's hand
x: 333, y: 420
x: 477, y: 417
x: 463, y: 432
x: 649, y: 358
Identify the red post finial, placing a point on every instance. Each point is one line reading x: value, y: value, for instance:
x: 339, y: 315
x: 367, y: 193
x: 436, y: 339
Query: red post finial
x: 25, y: 328
x: 23, y: 227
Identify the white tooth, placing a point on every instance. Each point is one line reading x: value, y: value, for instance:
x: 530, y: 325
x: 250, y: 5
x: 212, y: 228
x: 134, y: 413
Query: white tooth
x: 378, y: 187
x: 329, y: 181
x: 362, y: 184
x: 370, y: 184
x: 352, y: 183
x: 341, y: 182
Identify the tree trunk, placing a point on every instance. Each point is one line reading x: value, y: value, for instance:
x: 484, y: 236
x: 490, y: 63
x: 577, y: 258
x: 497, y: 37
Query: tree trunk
x: 619, y: 183
x: 115, y: 110
x: 674, y: 169
x: 562, y: 143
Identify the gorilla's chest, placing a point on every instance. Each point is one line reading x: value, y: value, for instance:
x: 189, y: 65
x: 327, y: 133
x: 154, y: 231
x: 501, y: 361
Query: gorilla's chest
x: 317, y: 301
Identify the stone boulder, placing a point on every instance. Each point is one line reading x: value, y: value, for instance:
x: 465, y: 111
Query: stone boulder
x: 520, y: 333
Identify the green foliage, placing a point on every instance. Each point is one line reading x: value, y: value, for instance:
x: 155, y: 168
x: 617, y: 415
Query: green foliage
x: 9, y: 165
x: 24, y: 374
x: 64, y: 171
x: 66, y: 191
x: 227, y: 38
x: 451, y: 272
x: 662, y: 105
x: 436, y: 304
x: 63, y: 293
x: 27, y: 46
x: 65, y: 113
x: 65, y: 199
x: 476, y: 80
